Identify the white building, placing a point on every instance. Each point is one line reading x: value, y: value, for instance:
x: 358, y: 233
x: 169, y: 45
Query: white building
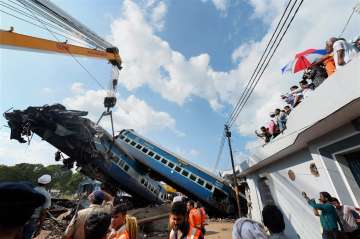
x: 319, y: 151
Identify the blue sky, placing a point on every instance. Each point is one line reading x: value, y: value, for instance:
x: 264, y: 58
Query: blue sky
x: 180, y: 100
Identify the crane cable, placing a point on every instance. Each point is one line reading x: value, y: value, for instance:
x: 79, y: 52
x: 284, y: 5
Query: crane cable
x: 222, y: 139
x: 256, y: 81
x: 75, y: 59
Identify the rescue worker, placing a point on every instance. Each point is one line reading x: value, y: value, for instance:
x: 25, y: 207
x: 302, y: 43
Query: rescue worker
x: 75, y: 229
x: 194, y: 220
x: 123, y: 226
x: 203, y: 216
x: 39, y: 215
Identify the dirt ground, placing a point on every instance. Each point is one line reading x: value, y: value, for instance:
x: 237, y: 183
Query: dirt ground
x: 219, y: 230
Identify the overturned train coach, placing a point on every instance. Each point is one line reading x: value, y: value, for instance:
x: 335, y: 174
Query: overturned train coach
x: 130, y: 161
x: 89, y: 146
x: 214, y: 192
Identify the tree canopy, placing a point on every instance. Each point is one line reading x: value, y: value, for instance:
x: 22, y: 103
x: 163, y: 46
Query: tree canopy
x: 63, y: 179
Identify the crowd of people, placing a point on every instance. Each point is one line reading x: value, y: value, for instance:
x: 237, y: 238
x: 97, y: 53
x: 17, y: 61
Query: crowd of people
x: 338, y: 221
x: 339, y: 53
x: 24, y: 207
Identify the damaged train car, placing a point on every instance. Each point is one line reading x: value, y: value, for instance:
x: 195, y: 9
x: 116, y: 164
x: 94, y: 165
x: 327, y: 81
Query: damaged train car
x: 128, y: 161
x: 89, y: 146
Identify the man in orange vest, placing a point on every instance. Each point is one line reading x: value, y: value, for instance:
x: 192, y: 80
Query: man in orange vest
x: 202, y: 212
x: 123, y: 226
x: 194, y: 220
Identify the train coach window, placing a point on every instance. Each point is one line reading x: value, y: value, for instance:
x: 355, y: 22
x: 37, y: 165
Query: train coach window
x: 142, y: 181
x: 122, y: 137
x: 177, y: 169
x: 145, y: 150
x: 185, y: 173
x: 133, y: 143
x: 151, y: 153
x: 200, y: 181
x: 171, y: 165
x: 209, y: 186
x: 139, y: 146
x: 157, y: 157
x: 127, y: 140
x: 126, y: 168
x: 192, y: 177
x: 164, y: 161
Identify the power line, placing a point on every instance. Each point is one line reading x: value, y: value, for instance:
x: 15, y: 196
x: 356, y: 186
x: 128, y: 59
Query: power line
x: 222, y: 142
x: 262, y: 56
x: 75, y: 59
x: 356, y: 8
x: 267, y: 63
x: 41, y: 27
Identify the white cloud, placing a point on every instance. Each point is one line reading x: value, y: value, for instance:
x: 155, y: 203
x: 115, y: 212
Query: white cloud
x: 220, y: 5
x: 77, y: 88
x: 12, y: 152
x: 130, y: 113
x: 149, y: 60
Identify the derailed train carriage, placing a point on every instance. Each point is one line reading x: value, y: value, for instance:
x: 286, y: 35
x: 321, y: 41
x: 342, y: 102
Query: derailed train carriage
x: 128, y: 161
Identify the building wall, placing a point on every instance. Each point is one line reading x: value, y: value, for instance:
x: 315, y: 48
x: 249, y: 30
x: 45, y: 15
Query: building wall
x: 324, y: 152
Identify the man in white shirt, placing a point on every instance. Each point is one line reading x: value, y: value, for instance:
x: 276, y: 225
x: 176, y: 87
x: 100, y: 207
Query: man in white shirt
x: 343, y: 51
x: 347, y: 216
x: 39, y: 214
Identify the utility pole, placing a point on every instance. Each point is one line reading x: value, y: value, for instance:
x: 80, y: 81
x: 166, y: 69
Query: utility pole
x: 228, y: 136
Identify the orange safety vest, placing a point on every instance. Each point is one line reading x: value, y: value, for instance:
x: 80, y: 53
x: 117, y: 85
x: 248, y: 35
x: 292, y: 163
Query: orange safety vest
x: 121, y: 235
x: 195, y: 223
x: 203, y: 216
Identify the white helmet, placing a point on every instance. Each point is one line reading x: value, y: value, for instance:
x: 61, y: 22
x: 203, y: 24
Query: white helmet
x: 45, y: 179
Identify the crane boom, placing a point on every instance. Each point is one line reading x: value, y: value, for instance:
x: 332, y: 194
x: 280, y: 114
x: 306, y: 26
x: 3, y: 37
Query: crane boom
x: 9, y: 39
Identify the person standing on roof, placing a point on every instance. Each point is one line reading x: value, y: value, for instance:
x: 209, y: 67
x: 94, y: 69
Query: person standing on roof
x: 194, y: 220
x: 39, y: 215
x: 123, y: 226
x: 343, y: 51
x: 75, y: 229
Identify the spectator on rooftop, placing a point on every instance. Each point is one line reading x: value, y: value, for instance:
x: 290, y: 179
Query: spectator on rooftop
x: 287, y: 110
x: 264, y: 133
x: 272, y: 126
x: 343, y: 51
x: 288, y: 98
x: 280, y: 119
x: 297, y: 94
x: 306, y: 88
x: 356, y: 43
x: 316, y: 73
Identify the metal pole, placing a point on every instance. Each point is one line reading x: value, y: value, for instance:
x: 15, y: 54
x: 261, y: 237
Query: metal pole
x: 228, y: 135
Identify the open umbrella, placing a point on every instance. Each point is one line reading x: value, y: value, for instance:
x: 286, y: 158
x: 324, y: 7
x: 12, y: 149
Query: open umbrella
x: 303, y: 60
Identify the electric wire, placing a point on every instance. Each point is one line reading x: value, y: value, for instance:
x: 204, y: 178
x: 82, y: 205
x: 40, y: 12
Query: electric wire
x: 34, y: 24
x: 262, y: 56
x: 252, y: 79
x: 267, y: 63
x: 75, y: 59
